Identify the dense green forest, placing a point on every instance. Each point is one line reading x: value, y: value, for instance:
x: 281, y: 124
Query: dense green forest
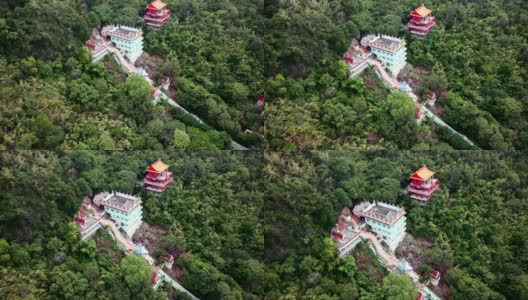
x: 222, y: 55
x: 477, y: 223
x: 54, y: 98
x: 475, y: 60
x: 210, y: 216
x: 243, y: 226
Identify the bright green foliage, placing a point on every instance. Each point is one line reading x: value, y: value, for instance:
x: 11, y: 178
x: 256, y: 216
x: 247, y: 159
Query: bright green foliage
x: 475, y: 60
x: 480, y: 255
x: 398, y: 287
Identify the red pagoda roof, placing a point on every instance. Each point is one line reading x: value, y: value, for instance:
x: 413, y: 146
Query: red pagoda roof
x: 158, y: 167
x: 169, y: 258
x: 156, y: 5
x: 421, y: 11
x: 423, y: 174
x: 420, y: 296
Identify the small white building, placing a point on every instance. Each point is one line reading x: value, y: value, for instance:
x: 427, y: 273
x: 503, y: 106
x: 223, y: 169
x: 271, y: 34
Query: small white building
x: 431, y: 99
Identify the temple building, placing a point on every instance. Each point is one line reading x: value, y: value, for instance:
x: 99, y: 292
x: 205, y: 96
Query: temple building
x: 423, y: 185
x: 88, y: 218
x: 155, y: 279
x: 128, y: 40
x: 344, y: 234
x: 165, y: 83
x: 431, y: 99
x: 158, y: 177
x: 157, y: 14
x: 435, y: 277
x: 261, y: 103
x: 168, y: 261
x: 420, y: 114
x: 99, y: 47
x: 390, y: 51
x: 125, y: 210
x: 387, y: 221
x: 422, y: 22
x: 356, y: 65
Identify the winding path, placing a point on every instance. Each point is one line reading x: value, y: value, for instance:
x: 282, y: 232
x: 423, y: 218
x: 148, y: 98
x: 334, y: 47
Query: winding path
x: 391, y: 261
x: 166, y: 277
x: 131, y: 70
x: 129, y: 248
x: 234, y: 145
x: 395, y: 85
x: 391, y: 82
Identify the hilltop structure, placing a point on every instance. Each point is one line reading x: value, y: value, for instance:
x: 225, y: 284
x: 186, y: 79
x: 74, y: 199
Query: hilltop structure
x: 435, y: 277
x: 165, y: 83
x: 420, y: 114
x: 356, y: 58
x: 423, y: 185
x: 98, y: 46
x: 124, y: 209
x: 158, y: 177
x: 390, y: 51
x: 387, y: 221
x: 372, y: 223
x: 128, y: 40
x: 422, y: 21
x: 261, y: 103
x: 89, y: 218
x: 344, y: 234
x: 157, y: 14
x: 431, y: 99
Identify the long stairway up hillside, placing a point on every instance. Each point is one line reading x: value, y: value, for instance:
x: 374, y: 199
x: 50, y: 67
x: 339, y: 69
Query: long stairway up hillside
x: 388, y: 258
x: 131, y: 69
x: 395, y: 85
x: 129, y: 245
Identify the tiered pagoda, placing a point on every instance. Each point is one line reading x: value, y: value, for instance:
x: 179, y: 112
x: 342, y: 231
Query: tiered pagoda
x: 423, y: 185
x: 422, y: 22
x: 157, y: 14
x: 158, y: 177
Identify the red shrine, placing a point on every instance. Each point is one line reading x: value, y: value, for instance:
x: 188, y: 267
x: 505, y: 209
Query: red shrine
x: 158, y: 178
x: 423, y: 185
x: 422, y: 22
x: 260, y: 102
x: 157, y: 14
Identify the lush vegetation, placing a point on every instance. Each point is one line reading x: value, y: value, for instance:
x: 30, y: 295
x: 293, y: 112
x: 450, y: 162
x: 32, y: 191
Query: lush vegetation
x: 54, y: 98
x: 244, y: 229
x: 211, y: 215
x: 475, y: 60
x: 477, y: 222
